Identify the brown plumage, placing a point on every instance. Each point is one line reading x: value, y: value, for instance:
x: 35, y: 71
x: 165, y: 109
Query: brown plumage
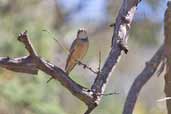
x: 78, y: 50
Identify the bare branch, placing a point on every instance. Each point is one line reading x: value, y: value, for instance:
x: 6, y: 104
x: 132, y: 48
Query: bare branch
x: 32, y: 63
x: 86, y: 66
x: 107, y: 94
x: 59, y: 43
x: 120, y: 35
x: 21, y: 64
x: 141, y: 79
x: 77, y: 90
x: 167, y: 52
x: 28, y: 45
x: 99, y: 68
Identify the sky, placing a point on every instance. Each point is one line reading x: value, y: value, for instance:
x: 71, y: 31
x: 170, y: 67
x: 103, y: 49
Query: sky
x: 154, y: 14
x: 96, y: 10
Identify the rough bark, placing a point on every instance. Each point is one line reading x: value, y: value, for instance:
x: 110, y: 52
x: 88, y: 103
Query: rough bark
x: 167, y: 52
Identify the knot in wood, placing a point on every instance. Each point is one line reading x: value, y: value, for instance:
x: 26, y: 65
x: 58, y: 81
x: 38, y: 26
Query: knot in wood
x: 125, y: 19
x: 122, y: 45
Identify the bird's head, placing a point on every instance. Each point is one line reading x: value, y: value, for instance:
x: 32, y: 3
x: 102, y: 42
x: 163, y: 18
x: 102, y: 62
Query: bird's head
x: 82, y: 33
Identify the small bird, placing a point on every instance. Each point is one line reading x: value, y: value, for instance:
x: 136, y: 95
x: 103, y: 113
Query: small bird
x: 77, y: 50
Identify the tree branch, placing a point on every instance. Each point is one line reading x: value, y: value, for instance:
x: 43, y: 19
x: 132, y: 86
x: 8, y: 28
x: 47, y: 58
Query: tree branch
x: 167, y: 52
x: 21, y: 64
x: 141, y: 79
x: 32, y: 63
x: 28, y: 45
x: 119, y: 39
x: 87, y: 67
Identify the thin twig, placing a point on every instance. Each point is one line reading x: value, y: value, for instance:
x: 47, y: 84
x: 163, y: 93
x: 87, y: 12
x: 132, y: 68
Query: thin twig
x: 112, y: 25
x: 86, y: 67
x: 62, y: 47
x: 49, y: 79
x: 99, y: 68
x: 164, y: 99
x: 107, y: 94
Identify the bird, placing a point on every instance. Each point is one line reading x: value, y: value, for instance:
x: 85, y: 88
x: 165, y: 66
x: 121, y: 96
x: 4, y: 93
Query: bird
x: 77, y: 50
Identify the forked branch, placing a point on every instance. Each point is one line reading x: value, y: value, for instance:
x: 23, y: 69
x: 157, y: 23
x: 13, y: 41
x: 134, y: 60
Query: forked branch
x: 32, y: 63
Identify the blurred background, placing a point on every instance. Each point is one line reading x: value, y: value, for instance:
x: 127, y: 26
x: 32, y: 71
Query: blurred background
x: 46, y: 19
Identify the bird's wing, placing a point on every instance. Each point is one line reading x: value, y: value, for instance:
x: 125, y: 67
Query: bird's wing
x: 73, y: 45
x: 71, y: 51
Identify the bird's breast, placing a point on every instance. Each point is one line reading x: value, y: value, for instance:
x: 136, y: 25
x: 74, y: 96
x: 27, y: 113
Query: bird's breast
x: 81, y: 49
